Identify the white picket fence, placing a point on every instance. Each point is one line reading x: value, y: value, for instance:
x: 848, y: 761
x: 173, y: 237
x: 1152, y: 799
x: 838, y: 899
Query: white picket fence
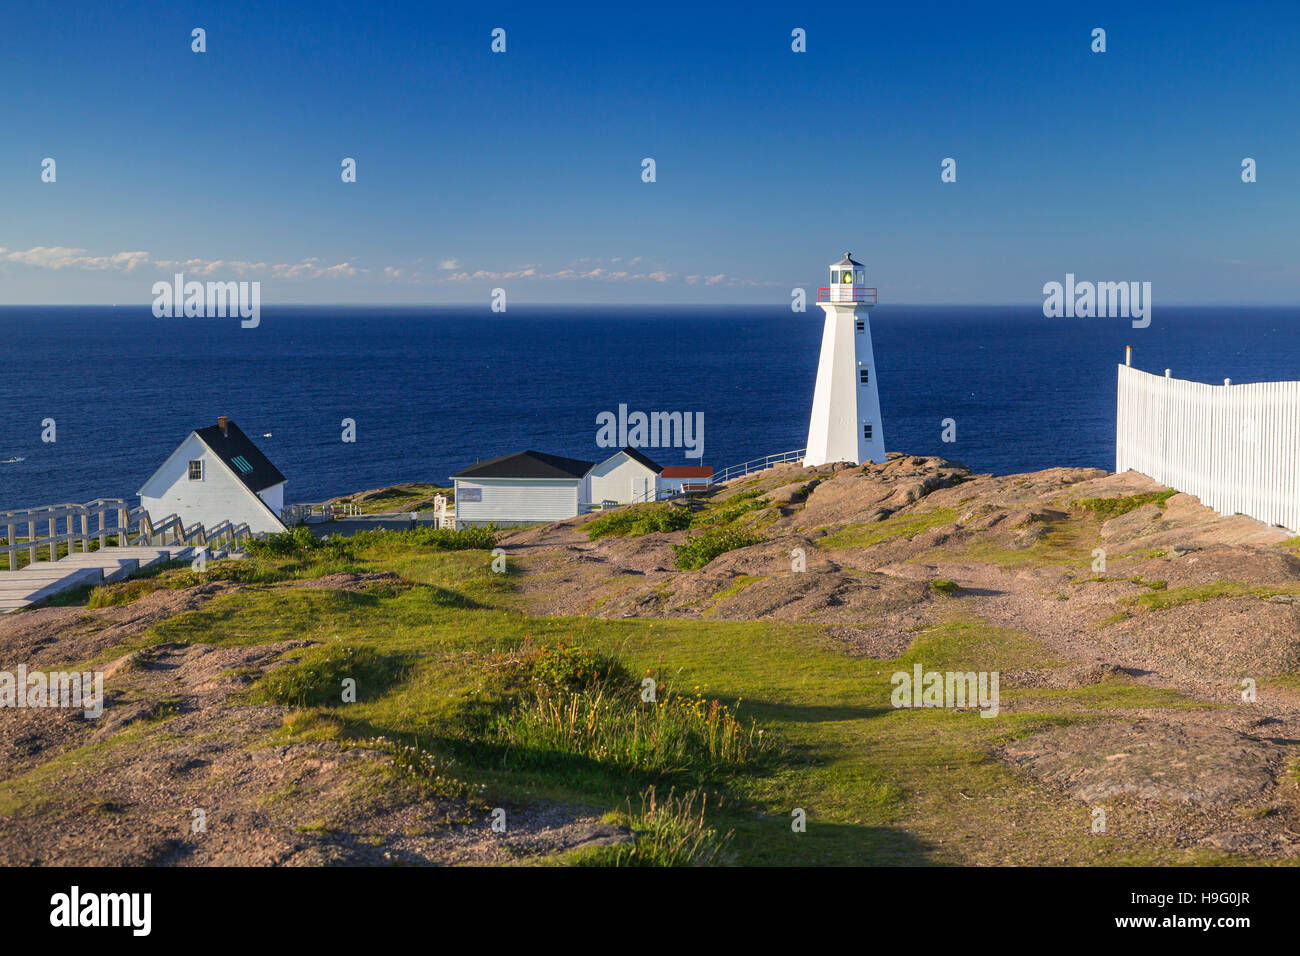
x: 1235, y: 447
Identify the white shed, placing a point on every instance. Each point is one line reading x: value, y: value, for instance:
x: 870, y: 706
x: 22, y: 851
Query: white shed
x: 528, y: 487
x: 217, y: 474
x: 625, y: 477
x: 676, y: 479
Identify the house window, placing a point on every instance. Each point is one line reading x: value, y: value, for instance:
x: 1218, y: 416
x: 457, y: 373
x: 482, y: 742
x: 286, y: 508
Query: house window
x: 866, y: 430
x: 864, y: 375
x: 196, y: 470
x: 862, y: 326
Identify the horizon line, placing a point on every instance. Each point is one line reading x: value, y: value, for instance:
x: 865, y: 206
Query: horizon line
x: 619, y: 305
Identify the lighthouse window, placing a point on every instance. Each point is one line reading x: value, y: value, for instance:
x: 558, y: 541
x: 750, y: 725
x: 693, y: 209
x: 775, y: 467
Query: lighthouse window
x: 866, y: 430
x: 862, y: 326
x: 864, y: 375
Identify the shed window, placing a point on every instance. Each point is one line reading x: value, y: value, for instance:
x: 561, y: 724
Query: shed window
x: 196, y: 470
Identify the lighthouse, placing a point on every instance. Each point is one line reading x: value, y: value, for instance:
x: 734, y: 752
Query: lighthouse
x: 845, y: 422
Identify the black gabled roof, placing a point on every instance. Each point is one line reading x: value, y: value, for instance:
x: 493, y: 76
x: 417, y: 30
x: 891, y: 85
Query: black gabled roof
x: 253, y: 468
x: 637, y: 456
x: 527, y: 464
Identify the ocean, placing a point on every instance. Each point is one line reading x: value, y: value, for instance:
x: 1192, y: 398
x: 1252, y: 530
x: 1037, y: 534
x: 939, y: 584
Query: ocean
x: 435, y: 389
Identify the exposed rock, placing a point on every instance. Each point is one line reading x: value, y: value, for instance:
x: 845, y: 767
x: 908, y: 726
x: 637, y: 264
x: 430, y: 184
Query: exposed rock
x: 1151, y: 760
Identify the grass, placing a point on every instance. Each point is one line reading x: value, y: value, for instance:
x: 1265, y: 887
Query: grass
x: 327, y: 674
x: 396, y: 498
x: 699, y: 550
x: 1134, y: 579
x: 895, y: 526
x: 731, y: 509
x: 1107, y: 508
x: 741, y: 582
x: 1173, y: 597
x: 670, y: 831
x: 672, y: 736
x: 301, y: 543
x: 1068, y: 541
x: 639, y: 520
x: 474, y: 694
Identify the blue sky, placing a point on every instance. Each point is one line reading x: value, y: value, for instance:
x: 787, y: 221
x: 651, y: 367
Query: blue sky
x: 523, y: 170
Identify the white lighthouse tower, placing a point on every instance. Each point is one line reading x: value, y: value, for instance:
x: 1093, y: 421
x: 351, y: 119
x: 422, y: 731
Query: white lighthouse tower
x: 845, y: 422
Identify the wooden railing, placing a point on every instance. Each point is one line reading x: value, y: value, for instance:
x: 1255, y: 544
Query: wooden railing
x: 101, y: 520
x: 296, y: 514
x: 48, y: 518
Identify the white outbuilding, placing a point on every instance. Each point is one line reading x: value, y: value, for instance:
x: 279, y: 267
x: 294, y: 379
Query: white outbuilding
x: 625, y: 477
x: 528, y: 487
x: 683, y: 479
x: 217, y: 474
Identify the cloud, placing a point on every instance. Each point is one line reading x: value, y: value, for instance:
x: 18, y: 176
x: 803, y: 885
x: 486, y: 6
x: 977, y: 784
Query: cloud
x: 66, y: 257
x: 597, y: 274
x: 587, y: 269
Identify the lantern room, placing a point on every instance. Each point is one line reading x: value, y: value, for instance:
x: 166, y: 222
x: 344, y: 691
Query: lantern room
x: 848, y: 283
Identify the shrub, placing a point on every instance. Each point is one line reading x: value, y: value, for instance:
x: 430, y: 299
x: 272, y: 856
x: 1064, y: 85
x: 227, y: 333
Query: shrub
x: 623, y: 733
x: 284, y: 544
x: 733, y: 508
x: 572, y: 668
x: 634, y: 522
x: 944, y: 586
x: 701, y: 549
x: 301, y: 543
x: 317, y: 677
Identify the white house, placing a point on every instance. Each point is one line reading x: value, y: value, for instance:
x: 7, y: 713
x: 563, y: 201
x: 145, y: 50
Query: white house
x: 625, y: 477
x: 217, y: 474
x: 845, y: 423
x: 680, y: 478
x: 525, y: 488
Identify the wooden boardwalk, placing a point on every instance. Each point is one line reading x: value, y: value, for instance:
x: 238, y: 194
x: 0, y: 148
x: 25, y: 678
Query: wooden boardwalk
x: 35, y: 582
